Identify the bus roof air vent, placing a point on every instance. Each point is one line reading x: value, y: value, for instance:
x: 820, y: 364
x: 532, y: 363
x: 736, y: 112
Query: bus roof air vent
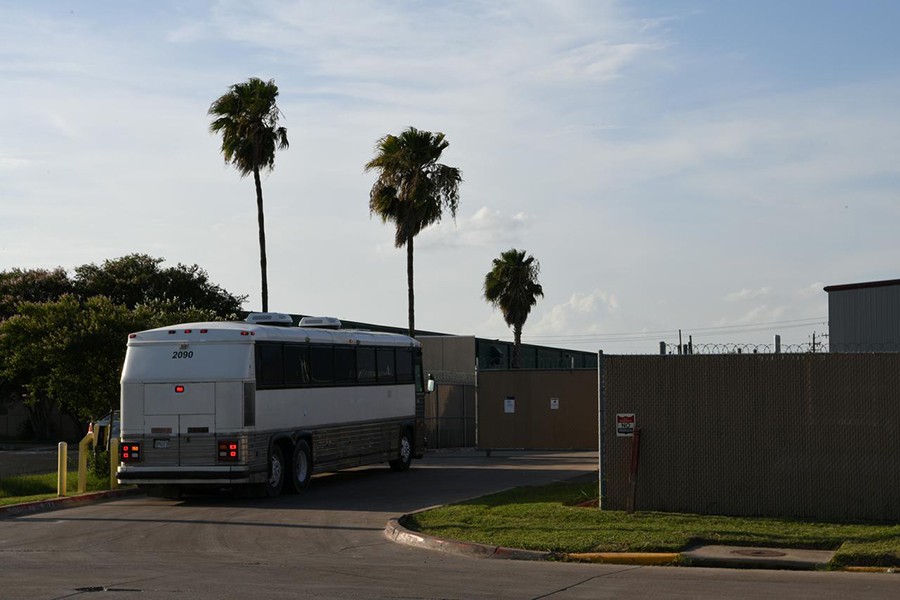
x: 270, y: 318
x: 320, y: 322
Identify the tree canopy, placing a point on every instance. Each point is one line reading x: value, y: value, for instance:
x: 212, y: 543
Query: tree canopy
x: 63, y: 341
x: 31, y: 285
x: 512, y: 286
x: 412, y: 190
x: 247, y: 118
x: 138, y: 279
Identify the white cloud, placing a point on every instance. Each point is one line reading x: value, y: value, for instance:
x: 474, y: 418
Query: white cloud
x: 582, y: 312
x: 748, y: 294
x: 484, y: 228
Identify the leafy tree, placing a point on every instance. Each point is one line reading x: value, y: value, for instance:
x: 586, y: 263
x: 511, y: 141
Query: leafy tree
x: 512, y: 286
x: 62, y: 341
x: 247, y: 118
x: 31, y: 285
x: 412, y: 190
x: 138, y: 279
x: 71, y: 352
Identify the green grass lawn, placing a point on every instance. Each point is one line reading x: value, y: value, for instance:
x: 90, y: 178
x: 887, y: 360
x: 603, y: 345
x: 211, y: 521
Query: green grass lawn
x: 31, y: 488
x: 548, y: 518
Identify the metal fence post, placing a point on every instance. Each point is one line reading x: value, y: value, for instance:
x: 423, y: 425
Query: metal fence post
x: 601, y: 426
x: 62, y: 466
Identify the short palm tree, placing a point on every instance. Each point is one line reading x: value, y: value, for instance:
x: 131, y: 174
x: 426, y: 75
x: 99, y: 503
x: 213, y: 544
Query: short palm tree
x: 412, y: 190
x: 512, y: 286
x: 247, y: 118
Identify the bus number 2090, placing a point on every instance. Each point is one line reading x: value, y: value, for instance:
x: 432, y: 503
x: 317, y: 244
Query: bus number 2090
x: 183, y: 354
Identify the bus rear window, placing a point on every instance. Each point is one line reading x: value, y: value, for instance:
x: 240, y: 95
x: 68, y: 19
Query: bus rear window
x: 187, y: 362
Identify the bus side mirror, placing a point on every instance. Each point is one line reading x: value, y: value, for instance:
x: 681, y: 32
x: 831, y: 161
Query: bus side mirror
x: 429, y: 385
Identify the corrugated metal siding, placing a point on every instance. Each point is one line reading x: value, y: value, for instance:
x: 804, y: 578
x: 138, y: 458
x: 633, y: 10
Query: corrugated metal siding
x: 864, y: 319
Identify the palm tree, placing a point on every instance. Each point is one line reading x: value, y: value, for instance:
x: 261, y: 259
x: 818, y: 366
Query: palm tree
x: 412, y: 190
x: 512, y: 286
x: 247, y: 118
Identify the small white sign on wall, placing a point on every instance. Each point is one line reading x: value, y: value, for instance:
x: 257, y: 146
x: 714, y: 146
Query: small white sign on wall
x: 554, y: 403
x: 509, y: 405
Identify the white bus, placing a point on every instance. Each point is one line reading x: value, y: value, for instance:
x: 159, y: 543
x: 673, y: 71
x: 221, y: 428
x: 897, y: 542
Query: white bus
x: 265, y: 403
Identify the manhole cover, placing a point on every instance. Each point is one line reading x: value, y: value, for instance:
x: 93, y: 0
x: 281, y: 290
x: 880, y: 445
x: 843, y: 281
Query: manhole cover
x: 760, y: 553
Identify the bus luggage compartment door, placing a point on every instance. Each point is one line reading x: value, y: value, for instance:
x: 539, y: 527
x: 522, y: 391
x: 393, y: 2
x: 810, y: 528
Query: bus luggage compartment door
x: 180, y: 421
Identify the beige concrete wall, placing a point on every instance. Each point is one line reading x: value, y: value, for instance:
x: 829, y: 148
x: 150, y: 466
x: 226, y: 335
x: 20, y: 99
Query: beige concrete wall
x: 535, y: 423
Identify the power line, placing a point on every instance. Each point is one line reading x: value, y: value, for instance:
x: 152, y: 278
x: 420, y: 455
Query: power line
x: 711, y: 331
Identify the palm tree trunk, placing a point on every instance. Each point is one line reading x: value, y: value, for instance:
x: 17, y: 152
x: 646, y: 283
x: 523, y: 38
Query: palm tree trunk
x: 517, y: 341
x: 262, y: 240
x: 409, y: 283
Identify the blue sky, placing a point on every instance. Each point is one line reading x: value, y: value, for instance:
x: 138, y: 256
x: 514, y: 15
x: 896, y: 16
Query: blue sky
x: 695, y: 165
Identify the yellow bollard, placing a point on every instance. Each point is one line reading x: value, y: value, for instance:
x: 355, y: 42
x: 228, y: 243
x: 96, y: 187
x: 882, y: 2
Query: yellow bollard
x: 82, y: 460
x: 62, y: 468
x: 113, y: 463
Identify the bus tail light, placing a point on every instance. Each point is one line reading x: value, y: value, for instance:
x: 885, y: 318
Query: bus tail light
x: 229, y: 451
x: 130, y: 452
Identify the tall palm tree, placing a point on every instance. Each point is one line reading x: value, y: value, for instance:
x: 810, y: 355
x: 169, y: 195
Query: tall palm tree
x: 412, y: 190
x: 247, y: 118
x: 512, y: 286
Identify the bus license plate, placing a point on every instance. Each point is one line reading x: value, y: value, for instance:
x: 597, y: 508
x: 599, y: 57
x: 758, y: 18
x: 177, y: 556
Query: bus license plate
x: 160, y: 444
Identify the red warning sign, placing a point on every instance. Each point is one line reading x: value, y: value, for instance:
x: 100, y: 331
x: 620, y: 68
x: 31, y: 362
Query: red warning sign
x: 625, y: 424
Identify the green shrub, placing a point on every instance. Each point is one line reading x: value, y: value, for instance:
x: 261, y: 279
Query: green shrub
x: 98, y: 464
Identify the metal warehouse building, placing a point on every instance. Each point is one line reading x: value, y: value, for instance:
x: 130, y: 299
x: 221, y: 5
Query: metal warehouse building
x: 864, y: 317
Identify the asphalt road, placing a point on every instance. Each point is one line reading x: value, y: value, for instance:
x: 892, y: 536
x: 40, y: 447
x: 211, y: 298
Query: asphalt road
x: 329, y: 543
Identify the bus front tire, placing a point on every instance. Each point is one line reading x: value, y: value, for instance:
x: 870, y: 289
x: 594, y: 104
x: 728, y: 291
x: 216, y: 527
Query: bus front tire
x: 402, y: 462
x: 275, y: 481
x: 301, y: 467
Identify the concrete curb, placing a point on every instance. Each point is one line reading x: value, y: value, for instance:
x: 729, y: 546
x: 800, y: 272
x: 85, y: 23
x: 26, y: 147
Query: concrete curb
x: 722, y: 557
x: 13, y: 510
x: 396, y: 532
x: 626, y: 558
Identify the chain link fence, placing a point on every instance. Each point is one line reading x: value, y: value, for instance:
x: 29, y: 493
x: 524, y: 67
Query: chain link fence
x: 810, y: 435
x: 450, y: 411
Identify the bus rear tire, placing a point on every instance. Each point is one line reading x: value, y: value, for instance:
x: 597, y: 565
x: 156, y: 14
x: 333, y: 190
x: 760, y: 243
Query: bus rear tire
x: 275, y: 481
x: 402, y: 462
x: 301, y: 467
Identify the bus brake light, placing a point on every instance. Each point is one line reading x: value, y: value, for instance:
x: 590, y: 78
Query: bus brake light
x: 130, y: 452
x: 229, y: 451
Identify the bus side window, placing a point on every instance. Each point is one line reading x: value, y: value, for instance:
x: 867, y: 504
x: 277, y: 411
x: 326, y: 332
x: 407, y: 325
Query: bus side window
x: 344, y: 364
x: 404, y: 365
x: 269, y: 365
x: 365, y: 364
x: 321, y: 365
x: 296, y: 365
x: 420, y: 382
x: 387, y: 367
